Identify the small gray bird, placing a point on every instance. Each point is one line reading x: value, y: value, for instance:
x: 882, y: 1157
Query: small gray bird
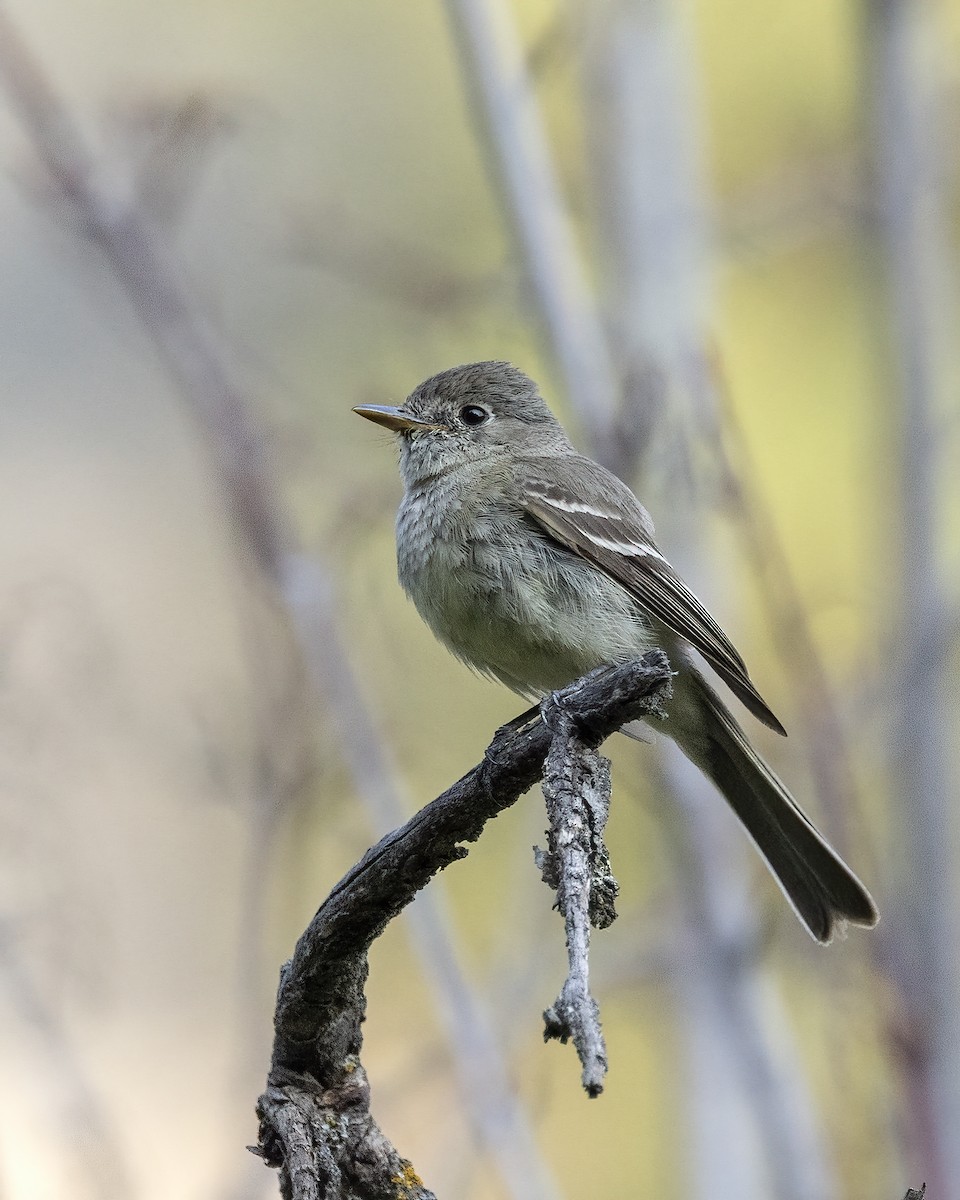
x: 534, y: 565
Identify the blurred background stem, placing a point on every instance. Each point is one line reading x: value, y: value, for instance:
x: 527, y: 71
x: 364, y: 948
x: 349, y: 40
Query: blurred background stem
x: 903, y: 99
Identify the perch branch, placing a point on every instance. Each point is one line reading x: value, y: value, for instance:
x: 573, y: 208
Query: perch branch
x: 315, y: 1121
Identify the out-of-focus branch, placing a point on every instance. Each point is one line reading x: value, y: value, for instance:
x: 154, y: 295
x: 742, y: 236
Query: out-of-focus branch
x: 157, y: 292
x: 178, y: 137
x: 101, y: 1170
x: 316, y: 1124
x: 919, y: 945
x: 821, y: 716
x: 801, y: 202
x: 192, y: 353
x: 740, y: 1055
x: 504, y: 104
x: 333, y: 240
x: 735, y: 1021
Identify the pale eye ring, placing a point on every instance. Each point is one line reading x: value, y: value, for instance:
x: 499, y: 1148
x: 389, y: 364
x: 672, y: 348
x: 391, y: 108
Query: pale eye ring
x: 473, y: 414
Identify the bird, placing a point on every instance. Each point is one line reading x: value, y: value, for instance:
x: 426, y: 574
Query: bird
x: 534, y: 565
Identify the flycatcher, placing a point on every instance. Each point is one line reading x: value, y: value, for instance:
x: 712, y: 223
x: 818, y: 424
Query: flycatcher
x: 534, y: 565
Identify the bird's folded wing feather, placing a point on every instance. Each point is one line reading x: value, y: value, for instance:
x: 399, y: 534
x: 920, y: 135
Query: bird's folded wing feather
x: 607, y: 526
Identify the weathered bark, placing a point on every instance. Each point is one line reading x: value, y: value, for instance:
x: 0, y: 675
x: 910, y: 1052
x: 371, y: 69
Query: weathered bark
x: 315, y: 1120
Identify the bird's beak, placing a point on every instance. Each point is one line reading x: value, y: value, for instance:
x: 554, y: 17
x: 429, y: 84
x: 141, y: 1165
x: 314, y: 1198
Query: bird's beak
x: 392, y: 418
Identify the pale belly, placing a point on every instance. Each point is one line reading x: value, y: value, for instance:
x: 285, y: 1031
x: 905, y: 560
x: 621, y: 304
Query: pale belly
x: 535, y: 621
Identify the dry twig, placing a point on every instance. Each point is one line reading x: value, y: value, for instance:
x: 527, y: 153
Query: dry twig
x: 576, y: 787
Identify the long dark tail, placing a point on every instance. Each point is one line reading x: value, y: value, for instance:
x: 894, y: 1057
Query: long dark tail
x: 817, y: 882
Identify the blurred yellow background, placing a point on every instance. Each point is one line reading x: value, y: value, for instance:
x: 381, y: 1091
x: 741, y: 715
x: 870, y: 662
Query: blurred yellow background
x: 175, y: 801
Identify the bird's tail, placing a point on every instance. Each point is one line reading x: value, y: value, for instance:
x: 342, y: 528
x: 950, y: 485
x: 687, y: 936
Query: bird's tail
x: 820, y: 886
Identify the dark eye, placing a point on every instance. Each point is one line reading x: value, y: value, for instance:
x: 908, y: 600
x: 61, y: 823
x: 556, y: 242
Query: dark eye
x: 473, y: 414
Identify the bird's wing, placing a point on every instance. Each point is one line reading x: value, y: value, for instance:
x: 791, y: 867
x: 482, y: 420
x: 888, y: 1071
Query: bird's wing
x: 590, y: 512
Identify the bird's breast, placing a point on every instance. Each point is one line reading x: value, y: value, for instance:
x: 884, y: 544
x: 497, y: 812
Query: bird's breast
x: 504, y: 597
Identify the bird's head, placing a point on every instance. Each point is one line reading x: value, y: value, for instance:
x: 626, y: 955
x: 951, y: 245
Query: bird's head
x: 468, y: 414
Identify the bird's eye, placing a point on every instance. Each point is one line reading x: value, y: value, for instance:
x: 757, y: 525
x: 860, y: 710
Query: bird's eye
x: 473, y: 414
